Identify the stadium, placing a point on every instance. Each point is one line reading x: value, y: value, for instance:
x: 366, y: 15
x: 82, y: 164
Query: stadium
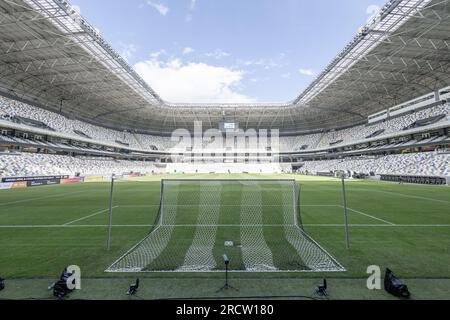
x: 100, y: 172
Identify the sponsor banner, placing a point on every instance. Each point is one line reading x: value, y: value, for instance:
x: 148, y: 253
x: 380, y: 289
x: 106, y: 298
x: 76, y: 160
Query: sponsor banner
x: 135, y: 174
x: 72, y: 180
x: 132, y: 175
x: 6, y: 186
x: 26, y: 179
x: 39, y: 183
x: 93, y: 179
x: 19, y: 185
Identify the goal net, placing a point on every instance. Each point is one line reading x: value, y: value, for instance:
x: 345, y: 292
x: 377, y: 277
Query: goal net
x: 257, y: 223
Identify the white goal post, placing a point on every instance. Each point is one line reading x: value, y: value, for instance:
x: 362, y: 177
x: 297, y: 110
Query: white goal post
x: 198, y: 217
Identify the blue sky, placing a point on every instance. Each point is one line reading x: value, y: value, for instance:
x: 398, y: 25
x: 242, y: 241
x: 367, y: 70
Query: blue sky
x: 228, y: 50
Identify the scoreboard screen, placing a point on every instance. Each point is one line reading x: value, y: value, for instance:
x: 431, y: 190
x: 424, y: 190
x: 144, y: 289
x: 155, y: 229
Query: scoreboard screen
x: 228, y: 126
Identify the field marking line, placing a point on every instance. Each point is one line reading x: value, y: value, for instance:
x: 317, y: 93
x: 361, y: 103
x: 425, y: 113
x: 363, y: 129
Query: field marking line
x: 147, y: 226
x: 356, y: 211
x: 370, y: 216
x: 320, y: 205
x: 74, y: 226
x: 405, y: 195
x: 138, y: 206
x: 382, y: 225
x: 222, y: 205
x: 226, y: 225
x: 87, y: 217
x: 39, y: 198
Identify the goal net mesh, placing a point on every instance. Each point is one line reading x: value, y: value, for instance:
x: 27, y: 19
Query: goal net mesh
x: 257, y: 223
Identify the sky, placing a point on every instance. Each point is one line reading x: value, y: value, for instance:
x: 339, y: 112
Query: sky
x: 228, y: 51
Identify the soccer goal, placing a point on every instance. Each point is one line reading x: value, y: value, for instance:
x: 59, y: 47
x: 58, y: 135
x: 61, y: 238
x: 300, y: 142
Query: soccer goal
x: 257, y: 223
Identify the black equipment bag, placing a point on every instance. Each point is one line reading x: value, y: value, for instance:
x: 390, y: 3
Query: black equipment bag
x: 394, y: 286
x: 60, y: 289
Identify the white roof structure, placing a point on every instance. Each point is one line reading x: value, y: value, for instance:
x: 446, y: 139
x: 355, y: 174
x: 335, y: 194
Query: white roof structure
x: 53, y: 58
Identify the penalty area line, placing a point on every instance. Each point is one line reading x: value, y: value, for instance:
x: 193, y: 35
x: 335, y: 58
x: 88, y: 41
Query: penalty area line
x: 62, y: 195
x: 305, y: 225
x: 381, y: 225
x: 406, y: 195
x: 370, y: 216
x: 56, y: 226
x: 87, y: 217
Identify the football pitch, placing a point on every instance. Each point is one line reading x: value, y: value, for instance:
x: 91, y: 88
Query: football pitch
x: 403, y: 227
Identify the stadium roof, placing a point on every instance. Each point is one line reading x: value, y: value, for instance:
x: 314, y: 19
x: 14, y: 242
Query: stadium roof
x: 53, y: 58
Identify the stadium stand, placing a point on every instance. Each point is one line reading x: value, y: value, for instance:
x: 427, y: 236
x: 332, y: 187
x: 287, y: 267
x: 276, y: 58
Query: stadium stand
x: 29, y: 165
x: 38, y: 164
x: 441, y: 112
x: 10, y: 110
x: 415, y: 164
x: 297, y: 143
x: 423, y: 164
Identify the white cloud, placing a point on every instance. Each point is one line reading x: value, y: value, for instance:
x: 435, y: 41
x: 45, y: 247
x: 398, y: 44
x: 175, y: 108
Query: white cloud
x: 286, y: 75
x: 192, y: 5
x: 249, y: 63
x: 157, y: 54
x: 188, y: 50
x: 217, y: 54
x: 307, y: 72
x: 160, y: 7
x: 266, y: 64
x: 373, y: 11
x: 177, y: 81
x: 189, y: 16
x: 127, y: 50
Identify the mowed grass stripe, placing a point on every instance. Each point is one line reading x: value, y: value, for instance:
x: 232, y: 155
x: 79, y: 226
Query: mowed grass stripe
x: 62, y: 207
x: 173, y: 256
x: 229, y: 215
x: 285, y: 256
x: 17, y: 196
x: 424, y: 192
x: 200, y: 253
x: 256, y: 253
x: 391, y: 207
x: 137, y: 193
x: 415, y: 247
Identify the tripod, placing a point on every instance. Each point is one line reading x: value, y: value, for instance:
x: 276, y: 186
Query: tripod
x: 227, y: 285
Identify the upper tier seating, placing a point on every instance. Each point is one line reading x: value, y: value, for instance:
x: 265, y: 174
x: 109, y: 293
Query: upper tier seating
x: 10, y: 109
x: 389, y: 126
x: 425, y: 164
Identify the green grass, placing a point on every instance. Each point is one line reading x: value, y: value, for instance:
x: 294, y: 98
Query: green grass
x: 403, y: 227
x: 255, y: 216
